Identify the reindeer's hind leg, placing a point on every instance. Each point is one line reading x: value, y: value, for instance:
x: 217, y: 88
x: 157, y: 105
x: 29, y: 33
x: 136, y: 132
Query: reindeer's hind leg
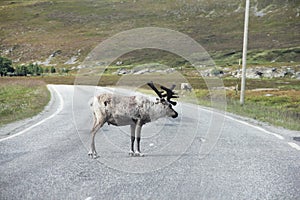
x: 138, y: 138
x: 132, y: 128
x: 98, y: 123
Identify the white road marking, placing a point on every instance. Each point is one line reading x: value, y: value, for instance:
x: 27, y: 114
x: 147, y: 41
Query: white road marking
x: 242, y: 122
x: 294, y: 145
x: 89, y: 198
x: 59, y: 109
x: 256, y: 127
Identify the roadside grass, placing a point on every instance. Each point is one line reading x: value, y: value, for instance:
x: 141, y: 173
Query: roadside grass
x: 21, y: 98
x: 279, y: 108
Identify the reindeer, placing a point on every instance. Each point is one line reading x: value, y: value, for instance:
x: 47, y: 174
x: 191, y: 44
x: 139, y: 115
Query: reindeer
x: 186, y: 87
x: 131, y: 110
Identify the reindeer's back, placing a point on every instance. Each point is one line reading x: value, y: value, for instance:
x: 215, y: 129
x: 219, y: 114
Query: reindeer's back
x: 123, y: 109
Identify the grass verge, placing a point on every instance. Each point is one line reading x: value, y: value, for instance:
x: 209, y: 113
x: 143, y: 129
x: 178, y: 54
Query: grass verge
x: 279, y: 108
x: 21, y: 98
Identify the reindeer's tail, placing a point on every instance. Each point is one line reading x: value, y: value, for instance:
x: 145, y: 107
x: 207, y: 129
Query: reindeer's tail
x: 91, y: 102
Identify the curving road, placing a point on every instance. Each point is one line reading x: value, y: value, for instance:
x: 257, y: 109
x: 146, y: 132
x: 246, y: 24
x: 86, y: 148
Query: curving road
x: 201, y: 155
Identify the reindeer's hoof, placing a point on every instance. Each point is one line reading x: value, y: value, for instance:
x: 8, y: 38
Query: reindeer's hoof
x: 131, y: 153
x: 93, y: 155
x: 138, y: 154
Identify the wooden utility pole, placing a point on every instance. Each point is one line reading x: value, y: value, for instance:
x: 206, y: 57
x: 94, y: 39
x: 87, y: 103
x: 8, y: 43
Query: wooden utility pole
x: 244, y: 59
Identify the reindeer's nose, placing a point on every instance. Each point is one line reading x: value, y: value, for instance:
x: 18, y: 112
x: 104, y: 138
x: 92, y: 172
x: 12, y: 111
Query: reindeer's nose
x: 175, y: 115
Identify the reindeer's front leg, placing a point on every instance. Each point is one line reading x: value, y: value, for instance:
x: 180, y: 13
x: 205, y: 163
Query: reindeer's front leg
x: 138, y: 138
x: 132, y: 127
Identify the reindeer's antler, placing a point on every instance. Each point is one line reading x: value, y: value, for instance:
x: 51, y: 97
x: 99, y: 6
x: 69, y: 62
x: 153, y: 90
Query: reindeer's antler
x: 150, y: 84
x: 170, y: 94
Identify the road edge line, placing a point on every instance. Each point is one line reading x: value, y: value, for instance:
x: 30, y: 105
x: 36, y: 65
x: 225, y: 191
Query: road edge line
x: 256, y: 127
x: 294, y: 145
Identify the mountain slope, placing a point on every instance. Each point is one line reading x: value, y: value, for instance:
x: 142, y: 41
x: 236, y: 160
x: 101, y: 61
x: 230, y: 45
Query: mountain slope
x: 32, y: 30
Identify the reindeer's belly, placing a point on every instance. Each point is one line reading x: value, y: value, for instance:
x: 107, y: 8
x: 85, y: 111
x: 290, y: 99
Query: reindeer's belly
x: 120, y: 121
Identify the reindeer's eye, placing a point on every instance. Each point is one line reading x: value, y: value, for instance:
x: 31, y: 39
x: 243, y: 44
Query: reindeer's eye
x: 157, y: 101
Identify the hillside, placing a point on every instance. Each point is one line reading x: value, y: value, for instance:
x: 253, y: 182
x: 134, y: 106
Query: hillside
x: 33, y: 30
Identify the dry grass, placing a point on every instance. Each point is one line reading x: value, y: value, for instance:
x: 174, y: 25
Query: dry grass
x: 21, y: 98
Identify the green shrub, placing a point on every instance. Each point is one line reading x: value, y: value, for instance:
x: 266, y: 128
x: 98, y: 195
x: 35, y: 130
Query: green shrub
x: 5, y: 66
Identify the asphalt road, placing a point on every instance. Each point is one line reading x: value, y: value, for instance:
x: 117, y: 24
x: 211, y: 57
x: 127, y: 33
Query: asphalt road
x: 200, y: 155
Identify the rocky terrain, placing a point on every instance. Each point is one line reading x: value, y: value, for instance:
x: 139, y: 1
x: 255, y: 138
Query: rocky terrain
x: 252, y: 72
x: 256, y: 72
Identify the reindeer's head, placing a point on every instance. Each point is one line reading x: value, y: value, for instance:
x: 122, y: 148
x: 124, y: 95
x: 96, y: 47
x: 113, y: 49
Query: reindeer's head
x: 164, y: 99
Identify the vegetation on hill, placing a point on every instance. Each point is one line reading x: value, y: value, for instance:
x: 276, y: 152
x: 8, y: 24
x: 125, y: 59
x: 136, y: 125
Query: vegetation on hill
x: 7, y: 69
x: 33, y: 30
